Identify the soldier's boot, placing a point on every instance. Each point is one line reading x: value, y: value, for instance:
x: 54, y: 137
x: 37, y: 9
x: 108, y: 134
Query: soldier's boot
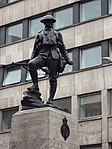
x: 53, y: 87
x: 34, y: 76
x: 34, y: 87
x: 52, y: 93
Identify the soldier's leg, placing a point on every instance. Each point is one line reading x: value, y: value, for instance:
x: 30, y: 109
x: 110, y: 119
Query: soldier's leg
x: 53, y: 67
x: 34, y: 64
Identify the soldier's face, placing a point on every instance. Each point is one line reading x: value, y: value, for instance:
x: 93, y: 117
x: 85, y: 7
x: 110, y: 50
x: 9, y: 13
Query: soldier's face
x: 48, y: 23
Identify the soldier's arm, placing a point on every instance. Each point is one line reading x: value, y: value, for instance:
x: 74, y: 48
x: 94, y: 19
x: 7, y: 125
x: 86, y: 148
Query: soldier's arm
x: 62, y: 48
x: 36, y: 46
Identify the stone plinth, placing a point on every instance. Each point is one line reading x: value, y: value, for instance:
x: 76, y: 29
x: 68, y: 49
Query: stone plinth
x: 40, y: 128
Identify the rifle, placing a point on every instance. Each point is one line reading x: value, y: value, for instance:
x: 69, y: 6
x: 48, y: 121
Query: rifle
x: 25, y: 66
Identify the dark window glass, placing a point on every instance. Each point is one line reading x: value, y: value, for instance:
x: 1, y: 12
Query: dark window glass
x: 89, y: 10
x: 63, y: 18
x: 1, y: 3
x: 35, y: 26
x: 110, y: 50
x: 7, y: 117
x: 110, y: 145
x: 64, y: 103
x: 90, y: 105
x: 110, y: 93
x: 14, y: 33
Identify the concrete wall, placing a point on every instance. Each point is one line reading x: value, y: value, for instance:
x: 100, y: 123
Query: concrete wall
x: 27, y: 8
x: 87, y: 81
x: 4, y: 140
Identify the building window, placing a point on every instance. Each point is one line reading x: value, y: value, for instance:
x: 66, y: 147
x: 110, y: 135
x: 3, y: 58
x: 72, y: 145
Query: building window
x: 91, y: 147
x: 14, y: 33
x: 5, y: 2
x: 89, y: 10
x: 63, y: 18
x: 28, y: 77
x: 89, y: 105
x: 1, y: 3
x: 11, y: 1
x: 12, y: 76
x: 63, y: 103
x: 110, y: 145
x: 7, y: 117
x: 110, y: 100
x: 41, y: 74
x: 90, y: 57
x: 110, y: 50
x: 35, y: 26
x: 110, y: 6
x: 69, y: 68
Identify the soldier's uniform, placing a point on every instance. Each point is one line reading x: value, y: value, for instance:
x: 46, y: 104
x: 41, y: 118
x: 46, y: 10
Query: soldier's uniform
x: 48, y: 48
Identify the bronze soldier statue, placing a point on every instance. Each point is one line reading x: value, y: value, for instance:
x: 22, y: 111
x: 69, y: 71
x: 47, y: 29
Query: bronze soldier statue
x: 48, y: 51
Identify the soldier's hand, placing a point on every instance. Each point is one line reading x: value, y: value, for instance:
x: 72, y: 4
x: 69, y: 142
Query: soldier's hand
x: 70, y: 62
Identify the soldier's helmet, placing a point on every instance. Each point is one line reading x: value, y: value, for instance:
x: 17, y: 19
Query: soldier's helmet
x: 48, y: 17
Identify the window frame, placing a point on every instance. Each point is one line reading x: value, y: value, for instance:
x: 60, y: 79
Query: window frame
x: 109, y: 7
x: 64, y: 98
x: 12, y: 2
x: 33, y: 18
x: 16, y: 108
x: 110, y: 49
x: 87, y: 20
x: 2, y: 35
x: 110, y: 101
x: 79, y: 105
x: 7, y: 69
x: 61, y: 9
x: 11, y: 25
x: 5, y: 3
x: 89, y: 47
x: 104, y: 7
x: 1, y: 75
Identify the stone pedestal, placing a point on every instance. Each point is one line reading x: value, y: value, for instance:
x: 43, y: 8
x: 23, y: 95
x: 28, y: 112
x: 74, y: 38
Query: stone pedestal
x: 40, y: 128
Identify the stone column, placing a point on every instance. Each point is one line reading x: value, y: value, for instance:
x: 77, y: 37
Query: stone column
x: 40, y: 128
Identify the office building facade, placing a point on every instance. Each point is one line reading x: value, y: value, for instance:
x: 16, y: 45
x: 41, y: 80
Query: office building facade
x: 84, y: 88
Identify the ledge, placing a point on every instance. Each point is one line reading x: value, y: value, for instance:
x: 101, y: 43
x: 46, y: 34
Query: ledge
x: 5, y: 131
x: 90, y: 119
x: 109, y: 116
